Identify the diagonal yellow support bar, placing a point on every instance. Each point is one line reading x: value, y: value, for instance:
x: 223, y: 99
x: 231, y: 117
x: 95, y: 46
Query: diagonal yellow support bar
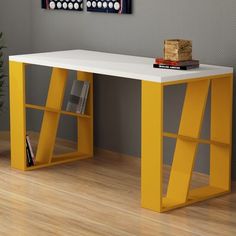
x: 17, y: 115
x: 185, y: 151
x: 152, y: 145
x: 51, y: 119
x: 221, y: 130
x: 85, y: 126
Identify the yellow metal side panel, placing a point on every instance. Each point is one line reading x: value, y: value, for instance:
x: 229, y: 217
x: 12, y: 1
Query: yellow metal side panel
x: 17, y: 115
x: 85, y: 126
x: 51, y: 119
x: 152, y: 145
x: 221, y: 130
x: 185, y: 151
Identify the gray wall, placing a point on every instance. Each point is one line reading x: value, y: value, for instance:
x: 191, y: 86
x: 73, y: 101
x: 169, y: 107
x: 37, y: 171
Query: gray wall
x: 211, y: 24
x: 15, y: 22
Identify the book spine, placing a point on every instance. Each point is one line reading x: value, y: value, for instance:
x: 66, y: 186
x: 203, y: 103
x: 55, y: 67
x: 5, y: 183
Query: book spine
x: 174, y: 67
x: 30, y: 149
x: 29, y: 159
x: 81, y: 100
x: 165, y: 62
x: 86, y: 97
x: 161, y: 61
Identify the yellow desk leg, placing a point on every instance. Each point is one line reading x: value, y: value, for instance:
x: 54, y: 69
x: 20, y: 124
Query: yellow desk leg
x: 51, y: 119
x: 152, y: 145
x: 185, y: 151
x: 221, y: 130
x: 17, y: 115
x: 178, y: 193
x: 85, y: 126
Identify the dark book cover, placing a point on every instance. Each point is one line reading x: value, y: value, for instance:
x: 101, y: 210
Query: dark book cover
x: 175, y: 67
x: 30, y: 149
x: 29, y: 158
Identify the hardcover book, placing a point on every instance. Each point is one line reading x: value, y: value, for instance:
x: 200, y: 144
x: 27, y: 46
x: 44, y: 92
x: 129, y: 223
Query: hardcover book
x: 162, y: 61
x: 30, y: 157
x: 28, y: 142
x: 175, y: 67
x: 78, y: 97
x: 85, y: 97
x: 75, y: 99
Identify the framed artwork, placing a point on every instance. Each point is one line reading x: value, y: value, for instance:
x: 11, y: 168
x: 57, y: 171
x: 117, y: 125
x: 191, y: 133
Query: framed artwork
x: 71, y: 5
x: 107, y: 6
x: 110, y: 6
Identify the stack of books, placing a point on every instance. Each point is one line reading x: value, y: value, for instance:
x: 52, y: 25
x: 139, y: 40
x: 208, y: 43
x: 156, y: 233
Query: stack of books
x: 175, y: 65
x: 29, y: 152
x: 78, y: 97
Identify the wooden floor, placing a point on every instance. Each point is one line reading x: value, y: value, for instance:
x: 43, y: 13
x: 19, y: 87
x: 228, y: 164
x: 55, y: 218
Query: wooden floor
x: 98, y: 197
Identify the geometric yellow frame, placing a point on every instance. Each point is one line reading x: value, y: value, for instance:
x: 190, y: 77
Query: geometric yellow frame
x: 187, y: 140
x: 52, y: 112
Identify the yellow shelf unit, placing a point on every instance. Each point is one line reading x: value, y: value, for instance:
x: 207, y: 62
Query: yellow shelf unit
x: 52, y: 112
x: 188, y: 138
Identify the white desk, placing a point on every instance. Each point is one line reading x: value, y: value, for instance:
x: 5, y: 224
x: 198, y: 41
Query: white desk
x: 153, y: 83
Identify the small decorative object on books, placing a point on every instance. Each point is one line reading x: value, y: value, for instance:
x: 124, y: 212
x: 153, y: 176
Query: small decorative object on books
x: 177, y: 56
x: 178, y: 50
x: 78, y: 97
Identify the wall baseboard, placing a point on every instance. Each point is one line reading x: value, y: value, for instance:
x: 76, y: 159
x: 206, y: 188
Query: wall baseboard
x: 135, y: 161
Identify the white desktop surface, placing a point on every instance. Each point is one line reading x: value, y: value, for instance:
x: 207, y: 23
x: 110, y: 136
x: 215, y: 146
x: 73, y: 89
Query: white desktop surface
x: 139, y: 68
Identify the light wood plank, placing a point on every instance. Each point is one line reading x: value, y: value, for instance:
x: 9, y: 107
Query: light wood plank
x: 100, y: 196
